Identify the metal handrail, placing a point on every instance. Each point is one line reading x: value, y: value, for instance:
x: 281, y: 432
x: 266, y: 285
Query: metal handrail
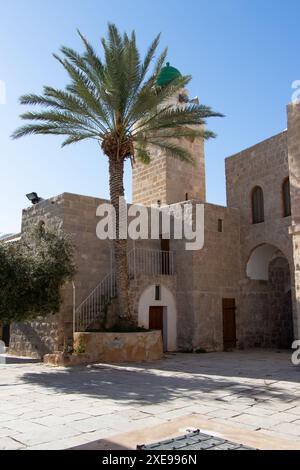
x: 140, y: 261
x: 91, y: 308
x: 151, y: 262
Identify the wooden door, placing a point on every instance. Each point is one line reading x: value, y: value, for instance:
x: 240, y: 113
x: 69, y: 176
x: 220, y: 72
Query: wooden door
x: 229, y: 324
x: 156, y: 318
x: 156, y: 322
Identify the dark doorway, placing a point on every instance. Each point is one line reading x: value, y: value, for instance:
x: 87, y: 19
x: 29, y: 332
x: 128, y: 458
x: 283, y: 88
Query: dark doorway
x: 156, y: 322
x: 156, y: 318
x: 165, y: 244
x: 6, y: 334
x: 229, y: 324
x: 165, y: 256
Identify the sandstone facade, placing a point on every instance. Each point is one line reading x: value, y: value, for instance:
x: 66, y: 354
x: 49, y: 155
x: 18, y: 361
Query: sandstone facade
x: 264, y: 165
x: 254, y: 268
x: 111, y: 348
x: 158, y: 181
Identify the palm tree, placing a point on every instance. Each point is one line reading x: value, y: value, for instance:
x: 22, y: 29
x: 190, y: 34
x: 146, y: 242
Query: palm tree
x: 117, y: 102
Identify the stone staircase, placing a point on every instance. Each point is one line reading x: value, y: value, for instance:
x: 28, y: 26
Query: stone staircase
x: 93, y: 312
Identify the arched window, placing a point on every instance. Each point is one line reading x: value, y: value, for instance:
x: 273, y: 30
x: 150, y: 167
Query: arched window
x: 258, y: 214
x: 286, y: 197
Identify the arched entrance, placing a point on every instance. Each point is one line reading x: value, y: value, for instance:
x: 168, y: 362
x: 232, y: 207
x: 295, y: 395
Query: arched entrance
x: 269, y: 298
x: 157, y: 310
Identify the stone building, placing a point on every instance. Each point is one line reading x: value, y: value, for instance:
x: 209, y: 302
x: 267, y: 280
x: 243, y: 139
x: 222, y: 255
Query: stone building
x: 242, y: 289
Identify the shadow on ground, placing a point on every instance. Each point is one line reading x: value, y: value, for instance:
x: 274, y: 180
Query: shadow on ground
x: 102, y: 444
x: 4, y: 359
x: 179, y: 376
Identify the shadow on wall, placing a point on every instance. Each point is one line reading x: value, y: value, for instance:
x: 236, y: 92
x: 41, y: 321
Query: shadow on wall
x: 266, y: 302
x: 26, y: 340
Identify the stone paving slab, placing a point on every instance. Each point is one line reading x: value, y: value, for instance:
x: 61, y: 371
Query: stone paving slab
x: 253, y: 391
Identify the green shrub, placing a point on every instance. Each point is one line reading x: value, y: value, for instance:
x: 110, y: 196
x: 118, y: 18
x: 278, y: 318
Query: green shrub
x: 32, y: 272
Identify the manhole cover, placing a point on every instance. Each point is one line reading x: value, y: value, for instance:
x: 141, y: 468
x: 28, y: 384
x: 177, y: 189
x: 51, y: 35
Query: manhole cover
x: 195, y: 441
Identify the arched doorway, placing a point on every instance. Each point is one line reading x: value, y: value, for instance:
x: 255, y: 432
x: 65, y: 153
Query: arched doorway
x: 157, y: 309
x: 268, y: 311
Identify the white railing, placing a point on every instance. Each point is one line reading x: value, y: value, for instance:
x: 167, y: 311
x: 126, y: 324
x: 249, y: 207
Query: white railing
x: 150, y: 262
x: 140, y: 261
x: 93, y: 306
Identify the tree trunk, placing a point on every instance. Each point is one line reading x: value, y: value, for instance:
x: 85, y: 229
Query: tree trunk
x: 116, y: 175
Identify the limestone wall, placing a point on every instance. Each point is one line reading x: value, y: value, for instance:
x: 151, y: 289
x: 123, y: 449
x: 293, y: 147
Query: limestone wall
x: 93, y: 257
x: 266, y: 309
x: 204, y: 278
x: 294, y: 167
x: 34, y: 339
x: 37, y: 338
x: 76, y: 215
x: 265, y: 165
x: 119, y: 347
x: 168, y: 179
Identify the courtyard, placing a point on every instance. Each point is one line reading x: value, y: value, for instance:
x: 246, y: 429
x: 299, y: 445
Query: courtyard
x: 251, y: 397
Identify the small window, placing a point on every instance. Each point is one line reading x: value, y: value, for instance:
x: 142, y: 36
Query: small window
x: 186, y: 196
x: 220, y: 225
x: 258, y: 215
x: 286, y: 196
x: 157, y: 293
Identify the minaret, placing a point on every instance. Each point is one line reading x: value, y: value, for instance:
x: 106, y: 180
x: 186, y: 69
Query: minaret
x: 165, y: 179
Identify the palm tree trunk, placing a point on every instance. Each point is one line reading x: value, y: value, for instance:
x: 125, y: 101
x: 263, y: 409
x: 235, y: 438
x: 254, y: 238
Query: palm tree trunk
x: 116, y: 175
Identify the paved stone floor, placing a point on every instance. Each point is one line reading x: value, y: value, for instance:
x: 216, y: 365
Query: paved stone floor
x: 57, y: 408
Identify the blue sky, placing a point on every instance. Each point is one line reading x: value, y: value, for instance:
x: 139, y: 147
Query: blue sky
x: 243, y: 56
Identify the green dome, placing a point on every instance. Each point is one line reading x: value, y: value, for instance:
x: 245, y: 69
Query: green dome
x: 167, y: 74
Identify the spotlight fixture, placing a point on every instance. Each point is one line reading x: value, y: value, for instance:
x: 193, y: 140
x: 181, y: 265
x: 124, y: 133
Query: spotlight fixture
x: 33, y: 198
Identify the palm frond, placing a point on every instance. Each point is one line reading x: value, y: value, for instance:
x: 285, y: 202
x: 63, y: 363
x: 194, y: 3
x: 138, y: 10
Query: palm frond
x: 149, y: 57
x: 117, y: 95
x: 83, y: 88
x: 178, y: 133
x: 92, y: 58
x: 63, y: 118
x: 176, y: 116
x: 172, y: 150
x: 150, y: 99
x: 73, y: 139
x: 33, y: 100
x: 53, y: 129
x: 142, y: 153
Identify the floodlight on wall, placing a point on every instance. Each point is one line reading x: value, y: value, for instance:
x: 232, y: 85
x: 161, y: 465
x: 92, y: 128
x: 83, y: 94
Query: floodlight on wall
x: 33, y: 198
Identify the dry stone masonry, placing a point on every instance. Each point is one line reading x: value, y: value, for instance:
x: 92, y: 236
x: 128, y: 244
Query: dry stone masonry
x: 255, y: 268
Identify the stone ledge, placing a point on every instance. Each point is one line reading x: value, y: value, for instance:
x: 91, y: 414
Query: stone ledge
x: 111, y: 348
x: 175, y: 427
